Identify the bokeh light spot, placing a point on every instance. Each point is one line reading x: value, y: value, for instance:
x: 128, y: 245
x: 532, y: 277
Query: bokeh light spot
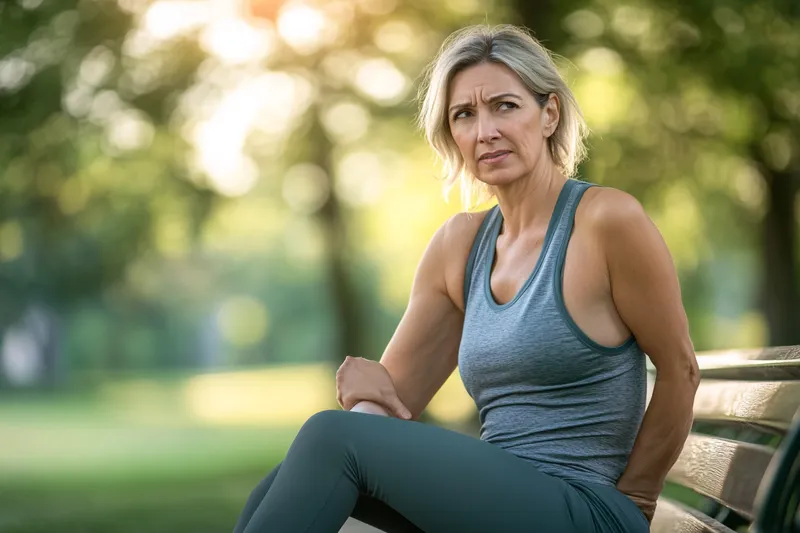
x: 380, y: 80
x: 305, y: 188
x: 302, y: 26
x: 346, y: 121
x: 243, y: 320
x: 73, y: 196
x: 377, y: 7
x: 394, y: 37
x: 130, y: 130
x: 463, y: 7
x: 601, y: 60
x: 584, y: 24
x: 166, y: 19
x: 15, y: 72
x: 359, y: 178
x: 234, y: 41
x: 11, y: 241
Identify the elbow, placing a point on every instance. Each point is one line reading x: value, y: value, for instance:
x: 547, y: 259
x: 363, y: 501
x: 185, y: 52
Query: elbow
x: 691, y: 369
x: 694, y: 374
x: 681, y: 371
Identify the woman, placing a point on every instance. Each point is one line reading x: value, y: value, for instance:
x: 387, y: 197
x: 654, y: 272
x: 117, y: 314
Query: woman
x: 547, y: 303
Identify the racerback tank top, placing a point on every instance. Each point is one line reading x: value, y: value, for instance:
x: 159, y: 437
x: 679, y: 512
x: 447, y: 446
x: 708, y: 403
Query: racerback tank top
x: 544, y: 390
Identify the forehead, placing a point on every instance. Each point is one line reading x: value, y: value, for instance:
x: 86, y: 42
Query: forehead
x: 484, y: 79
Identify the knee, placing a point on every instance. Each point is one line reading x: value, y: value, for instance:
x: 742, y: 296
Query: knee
x: 327, y: 426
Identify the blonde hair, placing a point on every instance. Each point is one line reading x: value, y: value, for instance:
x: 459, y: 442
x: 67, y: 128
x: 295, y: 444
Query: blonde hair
x: 515, y: 48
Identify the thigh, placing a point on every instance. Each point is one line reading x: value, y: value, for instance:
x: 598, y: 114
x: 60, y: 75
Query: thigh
x: 368, y: 510
x: 254, y: 500
x: 445, y: 481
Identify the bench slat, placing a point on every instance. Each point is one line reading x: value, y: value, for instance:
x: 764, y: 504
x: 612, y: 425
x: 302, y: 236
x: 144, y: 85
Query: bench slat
x: 771, y: 405
x: 751, y: 370
x: 673, y: 517
x: 771, y: 353
x: 727, y: 471
x: 764, y: 365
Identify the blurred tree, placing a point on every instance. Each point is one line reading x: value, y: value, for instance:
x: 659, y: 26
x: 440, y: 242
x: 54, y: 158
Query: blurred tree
x: 707, y: 93
x: 361, y: 63
x: 85, y: 154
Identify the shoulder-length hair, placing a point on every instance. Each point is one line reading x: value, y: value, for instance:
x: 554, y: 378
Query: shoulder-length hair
x: 515, y: 48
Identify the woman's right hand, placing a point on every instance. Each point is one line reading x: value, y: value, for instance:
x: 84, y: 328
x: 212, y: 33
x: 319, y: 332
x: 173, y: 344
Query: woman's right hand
x: 360, y: 379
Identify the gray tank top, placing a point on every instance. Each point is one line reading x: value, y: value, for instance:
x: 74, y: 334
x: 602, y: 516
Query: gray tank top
x: 544, y: 390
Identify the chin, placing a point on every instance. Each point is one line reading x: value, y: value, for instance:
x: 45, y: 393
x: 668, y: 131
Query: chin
x: 500, y: 176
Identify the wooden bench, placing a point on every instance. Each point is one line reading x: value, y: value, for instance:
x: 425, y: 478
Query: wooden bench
x: 740, y: 466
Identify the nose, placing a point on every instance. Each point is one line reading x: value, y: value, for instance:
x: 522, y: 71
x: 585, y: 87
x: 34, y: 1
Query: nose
x: 487, y: 130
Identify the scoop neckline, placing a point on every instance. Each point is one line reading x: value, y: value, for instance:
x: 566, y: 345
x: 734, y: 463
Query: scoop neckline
x: 495, y: 233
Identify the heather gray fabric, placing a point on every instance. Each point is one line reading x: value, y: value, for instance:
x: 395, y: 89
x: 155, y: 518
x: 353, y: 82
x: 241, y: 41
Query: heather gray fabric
x: 545, y: 391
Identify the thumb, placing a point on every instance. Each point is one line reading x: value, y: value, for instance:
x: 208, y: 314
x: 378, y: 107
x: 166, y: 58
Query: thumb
x: 399, y: 409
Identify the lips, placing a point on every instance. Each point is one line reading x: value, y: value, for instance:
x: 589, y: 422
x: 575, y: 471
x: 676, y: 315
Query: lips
x: 490, y: 155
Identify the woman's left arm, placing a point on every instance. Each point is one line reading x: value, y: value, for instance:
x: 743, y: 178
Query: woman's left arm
x: 647, y: 296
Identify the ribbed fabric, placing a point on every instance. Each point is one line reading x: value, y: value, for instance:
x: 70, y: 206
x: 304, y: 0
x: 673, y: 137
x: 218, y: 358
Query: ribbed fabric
x: 544, y: 390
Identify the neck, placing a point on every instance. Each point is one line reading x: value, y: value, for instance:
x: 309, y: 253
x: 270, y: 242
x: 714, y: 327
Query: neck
x: 529, y: 201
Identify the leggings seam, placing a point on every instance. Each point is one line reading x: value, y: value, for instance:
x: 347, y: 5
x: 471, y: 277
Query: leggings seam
x: 333, y: 491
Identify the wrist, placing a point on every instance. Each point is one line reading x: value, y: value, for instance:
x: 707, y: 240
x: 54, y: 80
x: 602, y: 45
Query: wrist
x: 372, y: 408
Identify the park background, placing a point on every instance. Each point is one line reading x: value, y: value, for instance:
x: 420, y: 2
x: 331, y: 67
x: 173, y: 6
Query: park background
x: 205, y: 205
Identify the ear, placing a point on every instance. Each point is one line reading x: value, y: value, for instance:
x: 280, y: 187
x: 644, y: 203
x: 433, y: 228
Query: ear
x: 551, y: 113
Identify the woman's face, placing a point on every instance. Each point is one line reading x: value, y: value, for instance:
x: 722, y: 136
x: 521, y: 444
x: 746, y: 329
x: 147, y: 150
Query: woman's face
x: 497, y: 124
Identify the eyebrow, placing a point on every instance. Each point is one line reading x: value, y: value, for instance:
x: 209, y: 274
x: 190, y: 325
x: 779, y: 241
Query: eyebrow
x: 491, y: 99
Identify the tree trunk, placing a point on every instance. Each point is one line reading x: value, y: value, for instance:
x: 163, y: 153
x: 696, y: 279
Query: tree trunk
x: 543, y: 18
x: 343, y: 292
x: 781, y: 301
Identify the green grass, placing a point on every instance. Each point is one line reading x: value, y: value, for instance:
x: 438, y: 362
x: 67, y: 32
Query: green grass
x: 683, y: 495
x: 79, y: 465
x: 193, y: 504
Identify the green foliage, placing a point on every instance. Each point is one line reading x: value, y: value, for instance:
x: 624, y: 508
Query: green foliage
x: 694, y: 109
x: 104, y: 220
x: 85, y: 154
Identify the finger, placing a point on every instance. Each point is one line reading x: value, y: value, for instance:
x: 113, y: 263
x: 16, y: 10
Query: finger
x: 349, y: 401
x: 400, y: 410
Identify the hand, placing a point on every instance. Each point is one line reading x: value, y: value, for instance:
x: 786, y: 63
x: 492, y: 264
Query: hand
x: 646, y: 503
x: 360, y: 379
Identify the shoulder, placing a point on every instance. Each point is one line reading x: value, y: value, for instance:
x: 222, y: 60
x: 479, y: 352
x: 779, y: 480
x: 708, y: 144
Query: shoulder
x: 618, y: 222
x: 456, y: 237
x: 607, y: 210
x: 460, y: 230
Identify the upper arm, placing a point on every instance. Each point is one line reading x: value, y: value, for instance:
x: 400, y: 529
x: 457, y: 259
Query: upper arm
x: 423, y: 351
x: 644, y: 282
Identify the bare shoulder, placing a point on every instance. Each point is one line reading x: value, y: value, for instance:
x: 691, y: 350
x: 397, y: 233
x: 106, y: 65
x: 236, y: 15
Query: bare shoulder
x: 460, y: 229
x: 607, y: 209
x: 457, y: 236
x: 619, y: 224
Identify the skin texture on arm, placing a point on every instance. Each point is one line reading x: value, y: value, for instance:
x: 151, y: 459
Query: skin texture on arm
x: 423, y: 351
x: 646, y: 293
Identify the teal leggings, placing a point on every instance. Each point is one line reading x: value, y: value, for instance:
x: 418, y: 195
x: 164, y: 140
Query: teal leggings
x: 402, y: 476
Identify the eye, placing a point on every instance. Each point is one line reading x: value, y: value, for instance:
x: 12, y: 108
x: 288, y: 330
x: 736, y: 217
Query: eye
x: 511, y: 104
x: 460, y: 114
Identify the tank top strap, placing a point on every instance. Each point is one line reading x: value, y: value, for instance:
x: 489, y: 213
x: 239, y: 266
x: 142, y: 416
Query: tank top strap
x: 478, y: 251
x: 564, y: 224
x: 561, y: 231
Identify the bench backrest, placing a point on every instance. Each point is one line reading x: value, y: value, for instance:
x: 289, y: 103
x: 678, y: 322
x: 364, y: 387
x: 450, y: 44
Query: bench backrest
x: 740, y: 466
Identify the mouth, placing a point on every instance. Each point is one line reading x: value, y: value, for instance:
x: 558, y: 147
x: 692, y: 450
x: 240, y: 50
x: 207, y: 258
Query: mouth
x: 495, y: 156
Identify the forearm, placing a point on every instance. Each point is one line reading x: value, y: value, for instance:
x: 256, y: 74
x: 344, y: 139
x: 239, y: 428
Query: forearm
x: 661, y: 437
